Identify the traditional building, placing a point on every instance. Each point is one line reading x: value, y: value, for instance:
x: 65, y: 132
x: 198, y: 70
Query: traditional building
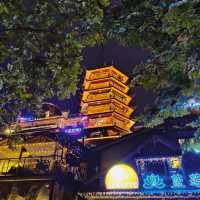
x: 148, y: 164
x: 106, y: 104
x: 41, y: 158
x: 47, y: 158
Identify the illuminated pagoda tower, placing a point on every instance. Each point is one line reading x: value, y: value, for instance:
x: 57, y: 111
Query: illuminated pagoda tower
x: 106, y: 103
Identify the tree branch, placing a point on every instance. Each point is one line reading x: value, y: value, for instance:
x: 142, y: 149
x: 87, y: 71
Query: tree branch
x: 29, y: 29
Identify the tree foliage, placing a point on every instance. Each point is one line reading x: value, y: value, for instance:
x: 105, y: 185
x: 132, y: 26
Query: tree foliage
x: 40, y: 49
x: 169, y: 29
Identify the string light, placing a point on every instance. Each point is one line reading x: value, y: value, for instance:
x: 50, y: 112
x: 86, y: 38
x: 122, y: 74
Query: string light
x: 155, y: 194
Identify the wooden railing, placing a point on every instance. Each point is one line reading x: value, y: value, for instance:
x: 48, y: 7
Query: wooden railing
x: 43, y: 165
x: 40, y: 167
x: 48, y: 123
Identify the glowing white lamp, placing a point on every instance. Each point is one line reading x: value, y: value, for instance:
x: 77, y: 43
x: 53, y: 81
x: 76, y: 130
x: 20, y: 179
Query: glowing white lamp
x: 122, y: 177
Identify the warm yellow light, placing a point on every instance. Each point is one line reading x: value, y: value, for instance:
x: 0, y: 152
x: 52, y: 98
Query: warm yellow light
x: 175, y: 162
x: 8, y: 131
x: 122, y: 176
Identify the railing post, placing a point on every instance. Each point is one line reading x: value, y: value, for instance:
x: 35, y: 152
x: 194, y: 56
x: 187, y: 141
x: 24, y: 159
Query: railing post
x: 24, y: 164
x: 3, y: 166
x: 51, y: 195
x: 7, y: 167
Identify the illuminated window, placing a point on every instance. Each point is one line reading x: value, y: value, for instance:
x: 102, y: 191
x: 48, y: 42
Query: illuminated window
x: 175, y: 163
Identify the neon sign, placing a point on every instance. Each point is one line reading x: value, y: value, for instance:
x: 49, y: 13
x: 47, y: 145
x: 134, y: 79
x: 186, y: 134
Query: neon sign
x: 177, y: 181
x: 194, y: 180
x: 153, y: 181
x: 73, y: 131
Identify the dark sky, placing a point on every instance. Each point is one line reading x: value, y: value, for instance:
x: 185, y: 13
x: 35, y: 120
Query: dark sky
x: 123, y: 58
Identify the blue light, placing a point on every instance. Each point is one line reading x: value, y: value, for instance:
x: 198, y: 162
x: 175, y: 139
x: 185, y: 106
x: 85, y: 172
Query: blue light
x: 26, y: 119
x: 194, y: 180
x: 177, y: 181
x: 153, y: 181
x: 177, y: 3
x: 192, y: 104
x: 73, y: 130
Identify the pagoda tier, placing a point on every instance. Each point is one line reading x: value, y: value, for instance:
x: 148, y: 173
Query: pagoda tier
x: 112, y: 119
x: 105, y: 83
x: 105, y: 94
x: 106, y: 72
x: 105, y: 106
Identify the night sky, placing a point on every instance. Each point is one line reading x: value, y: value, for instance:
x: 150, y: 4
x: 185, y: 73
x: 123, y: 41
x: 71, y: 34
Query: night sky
x: 123, y: 58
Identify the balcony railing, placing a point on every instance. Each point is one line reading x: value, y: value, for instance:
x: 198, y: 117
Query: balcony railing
x: 41, y: 168
x: 27, y: 166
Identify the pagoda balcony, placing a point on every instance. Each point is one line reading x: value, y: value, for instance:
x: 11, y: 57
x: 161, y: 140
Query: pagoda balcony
x: 105, y: 83
x: 105, y: 107
x: 105, y: 94
x: 110, y: 120
x: 47, y: 123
